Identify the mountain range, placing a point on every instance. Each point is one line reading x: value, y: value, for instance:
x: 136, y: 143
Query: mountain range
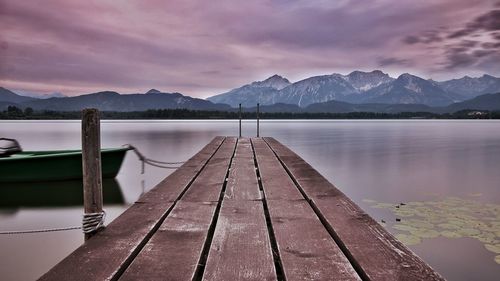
x: 373, y: 91
x: 359, y: 87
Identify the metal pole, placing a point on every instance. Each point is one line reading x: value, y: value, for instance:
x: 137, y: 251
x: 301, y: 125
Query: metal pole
x: 91, y: 163
x: 240, y: 120
x: 257, y: 119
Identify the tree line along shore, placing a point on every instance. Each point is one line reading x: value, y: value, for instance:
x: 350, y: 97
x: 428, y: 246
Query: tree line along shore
x: 14, y: 113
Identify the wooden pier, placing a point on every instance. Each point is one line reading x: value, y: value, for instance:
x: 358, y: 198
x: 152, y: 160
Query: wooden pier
x: 243, y: 209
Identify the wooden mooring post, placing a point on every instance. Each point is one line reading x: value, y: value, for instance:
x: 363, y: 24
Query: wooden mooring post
x: 239, y: 116
x: 91, y: 163
x: 258, y: 133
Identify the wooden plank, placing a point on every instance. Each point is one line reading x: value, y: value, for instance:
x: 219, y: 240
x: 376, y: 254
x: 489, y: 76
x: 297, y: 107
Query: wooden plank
x: 242, y: 183
x: 169, y: 188
x: 244, y: 149
x: 275, y: 180
x: 104, y: 255
x: 307, y: 251
x: 109, y: 252
x: 175, y: 249
x: 241, y: 248
x: 373, y: 251
x: 208, y: 185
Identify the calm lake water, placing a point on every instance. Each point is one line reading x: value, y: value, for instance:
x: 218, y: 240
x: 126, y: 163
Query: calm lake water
x: 447, y: 174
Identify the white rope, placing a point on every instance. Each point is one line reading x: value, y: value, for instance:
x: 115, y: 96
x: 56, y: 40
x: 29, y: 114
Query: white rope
x: 155, y: 163
x: 40, y: 230
x: 90, y: 223
x: 93, y: 221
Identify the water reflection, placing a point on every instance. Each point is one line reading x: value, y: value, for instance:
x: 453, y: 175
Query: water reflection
x: 54, y: 194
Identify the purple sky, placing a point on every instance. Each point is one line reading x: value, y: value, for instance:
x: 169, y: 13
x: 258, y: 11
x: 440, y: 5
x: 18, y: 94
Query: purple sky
x: 201, y: 48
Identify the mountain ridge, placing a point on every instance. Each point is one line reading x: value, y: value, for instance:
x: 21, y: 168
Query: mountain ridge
x: 361, y: 87
x: 113, y: 101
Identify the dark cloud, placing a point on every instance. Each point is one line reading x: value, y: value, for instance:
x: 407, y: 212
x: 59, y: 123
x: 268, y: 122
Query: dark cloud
x: 467, y: 43
x: 459, y: 51
x: 411, y: 39
x: 486, y: 22
x: 390, y: 61
x: 483, y: 53
x: 491, y: 45
x: 457, y: 58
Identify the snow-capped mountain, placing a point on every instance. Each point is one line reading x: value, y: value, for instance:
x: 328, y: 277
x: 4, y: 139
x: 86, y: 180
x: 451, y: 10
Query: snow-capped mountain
x: 359, y: 87
x: 472, y: 87
x: 277, y: 89
x: 276, y: 82
x: 316, y: 89
x: 263, y: 92
x: 410, y: 89
x: 364, y: 81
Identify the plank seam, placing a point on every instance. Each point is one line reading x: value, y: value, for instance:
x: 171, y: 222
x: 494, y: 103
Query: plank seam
x: 357, y: 267
x: 200, y: 269
x: 128, y: 261
x: 278, y: 265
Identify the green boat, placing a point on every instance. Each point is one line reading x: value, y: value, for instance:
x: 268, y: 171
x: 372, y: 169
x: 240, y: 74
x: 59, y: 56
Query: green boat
x: 55, y: 165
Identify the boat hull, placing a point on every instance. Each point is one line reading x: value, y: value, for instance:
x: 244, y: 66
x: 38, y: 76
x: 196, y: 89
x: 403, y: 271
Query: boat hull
x: 56, y: 165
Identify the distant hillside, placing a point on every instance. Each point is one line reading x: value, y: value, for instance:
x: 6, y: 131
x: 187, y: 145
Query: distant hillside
x: 472, y: 87
x: 484, y: 102
x: 490, y: 102
x: 11, y: 97
x: 113, y: 101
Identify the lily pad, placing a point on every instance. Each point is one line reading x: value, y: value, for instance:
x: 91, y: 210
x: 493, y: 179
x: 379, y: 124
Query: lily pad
x: 450, y: 234
x: 408, y: 239
x: 451, y: 217
x: 493, y: 248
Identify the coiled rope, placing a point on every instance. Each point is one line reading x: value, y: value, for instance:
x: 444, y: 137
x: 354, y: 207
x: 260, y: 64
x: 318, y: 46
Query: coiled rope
x: 90, y: 223
x: 155, y: 163
x: 93, y: 221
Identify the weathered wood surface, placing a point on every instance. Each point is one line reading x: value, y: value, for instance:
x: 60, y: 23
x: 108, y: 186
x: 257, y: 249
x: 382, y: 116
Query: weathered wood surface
x: 242, y: 183
x: 174, y: 251
x: 91, y: 163
x: 207, y: 187
x: 374, y: 252
x: 275, y: 180
x: 110, y: 251
x: 241, y: 248
x: 291, y: 224
x: 307, y: 250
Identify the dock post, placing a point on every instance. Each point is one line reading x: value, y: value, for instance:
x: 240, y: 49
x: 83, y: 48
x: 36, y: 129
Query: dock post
x: 92, y: 174
x: 257, y: 119
x: 240, y: 119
